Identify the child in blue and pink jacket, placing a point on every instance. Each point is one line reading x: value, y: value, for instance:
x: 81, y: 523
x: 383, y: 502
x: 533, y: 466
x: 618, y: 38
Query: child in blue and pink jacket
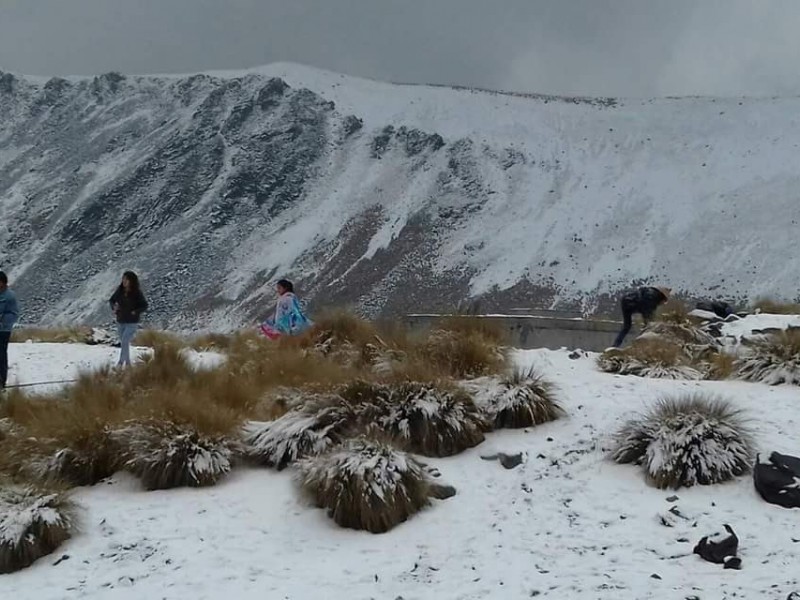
x: 289, y: 317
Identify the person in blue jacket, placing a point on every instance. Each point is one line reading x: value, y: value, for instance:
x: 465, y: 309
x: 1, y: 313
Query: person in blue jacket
x: 289, y: 318
x: 9, y: 313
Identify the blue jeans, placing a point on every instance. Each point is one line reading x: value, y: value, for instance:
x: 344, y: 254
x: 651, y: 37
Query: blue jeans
x: 126, y: 333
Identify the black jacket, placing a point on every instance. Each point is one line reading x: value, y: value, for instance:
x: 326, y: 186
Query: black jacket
x: 644, y: 301
x: 131, y: 306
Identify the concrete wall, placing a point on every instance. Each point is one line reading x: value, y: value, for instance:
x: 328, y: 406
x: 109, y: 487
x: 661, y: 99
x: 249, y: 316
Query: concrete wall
x: 535, y: 331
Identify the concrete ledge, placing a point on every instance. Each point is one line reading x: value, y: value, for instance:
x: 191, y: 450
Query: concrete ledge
x: 534, y: 331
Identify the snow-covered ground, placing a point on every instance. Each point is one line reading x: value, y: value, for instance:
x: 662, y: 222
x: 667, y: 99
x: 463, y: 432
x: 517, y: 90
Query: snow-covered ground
x: 565, y: 524
x: 35, y: 365
x: 746, y: 326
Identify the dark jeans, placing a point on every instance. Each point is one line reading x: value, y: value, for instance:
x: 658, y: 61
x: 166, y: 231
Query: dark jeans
x: 627, y: 322
x: 5, y: 337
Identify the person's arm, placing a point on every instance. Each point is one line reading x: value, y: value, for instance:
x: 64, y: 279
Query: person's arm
x: 12, y: 308
x: 114, y: 300
x: 141, y: 304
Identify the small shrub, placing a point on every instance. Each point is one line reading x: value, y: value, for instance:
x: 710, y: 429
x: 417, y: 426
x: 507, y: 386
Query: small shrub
x: 433, y: 420
x: 679, y: 332
x: 776, y: 307
x: 90, y: 458
x: 657, y: 358
x: 339, y: 327
x: 166, y: 366
x: 483, y: 327
x: 365, y: 484
x: 674, y: 311
x: 306, y: 431
x: 63, y: 335
x: 152, y: 338
x: 463, y: 354
x: 722, y: 365
x: 166, y: 455
x: 524, y: 399
x: 213, y: 341
x: 64, y: 437
x: 687, y: 441
x: 33, y: 524
x: 773, y: 360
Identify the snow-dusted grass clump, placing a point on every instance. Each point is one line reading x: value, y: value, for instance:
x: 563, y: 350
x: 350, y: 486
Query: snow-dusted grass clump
x: 33, y: 524
x: 308, y: 430
x: 168, y: 455
x: 89, y: 460
x: 679, y: 331
x: 773, y: 360
x: 432, y: 419
x: 687, y: 441
x: 522, y: 399
x: 366, y: 484
x: 650, y: 357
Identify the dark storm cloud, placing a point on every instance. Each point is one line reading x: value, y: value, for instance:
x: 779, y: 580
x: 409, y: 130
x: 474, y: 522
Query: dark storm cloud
x: 601, y: 47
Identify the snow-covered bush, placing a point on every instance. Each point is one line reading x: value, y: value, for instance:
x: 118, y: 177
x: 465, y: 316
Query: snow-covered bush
x: 687, y: 441
x: 522, y: 399
x: 168, y: 455
x: 433, y: 420
x: 774, y: 359
x: 683, y: 331
x: 650, y: 357
x: 32, y: 524
x: 88, y: 460
x: 309, y: 429
x: 366, y: 484
x: 85, y: 458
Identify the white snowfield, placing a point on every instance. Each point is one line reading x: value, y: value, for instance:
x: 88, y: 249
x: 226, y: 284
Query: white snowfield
x: 582, y: 197
x: 565, y: 524
x: 746, y: 327
x: 601, y: 196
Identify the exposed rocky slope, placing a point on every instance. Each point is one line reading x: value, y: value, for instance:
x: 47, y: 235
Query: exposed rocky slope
x: 392, y: 198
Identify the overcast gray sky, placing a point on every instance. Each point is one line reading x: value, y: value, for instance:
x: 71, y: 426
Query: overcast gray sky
x: 592, y: 47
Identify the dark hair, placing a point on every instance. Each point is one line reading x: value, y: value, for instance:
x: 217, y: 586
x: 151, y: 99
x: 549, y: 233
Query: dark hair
x: 286, y: 284
x: 133, y: 278
x: 3, y: 277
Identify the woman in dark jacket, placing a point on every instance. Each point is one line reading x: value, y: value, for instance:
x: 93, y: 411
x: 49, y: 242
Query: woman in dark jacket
x: 644, y: 301
x: 128, y: 304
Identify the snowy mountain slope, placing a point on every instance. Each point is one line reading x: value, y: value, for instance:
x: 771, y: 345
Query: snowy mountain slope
x: 566, y: 523
x: 390, y: 197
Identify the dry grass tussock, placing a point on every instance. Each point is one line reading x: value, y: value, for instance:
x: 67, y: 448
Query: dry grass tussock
x: 776, y: 307
x: 432, y: 419
x: 524, y: 399
x: 322, y: 422
x: 56, y: 335
x: 64, y: 437
x: 687, y: 441
x: 722, y: 365
x: 774, y: 360
x: 366, y: 484
x: 166, y: 454
x: 214, y: 341
x: 650, y: 357
x: 153, y: 338
x: 33, y: 523
x: 485, y: 327
x: 463, y: 354
x: 679, y: 332
x: 674, y: 311
x: 72, y: 436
